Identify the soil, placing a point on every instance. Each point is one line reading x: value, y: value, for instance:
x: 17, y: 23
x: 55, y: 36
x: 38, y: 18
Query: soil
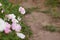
x: 36, y: 20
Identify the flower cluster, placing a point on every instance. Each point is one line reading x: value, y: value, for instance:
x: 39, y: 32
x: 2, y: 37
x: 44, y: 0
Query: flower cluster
x: 7, y: 27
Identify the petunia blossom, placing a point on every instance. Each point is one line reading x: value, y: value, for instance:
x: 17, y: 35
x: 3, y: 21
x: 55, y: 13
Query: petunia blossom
x: 16, y: 27
x: 8, y: 25
x: 10, y: 16
x: 14, y: 21
x: 2, y: 25
x: 20, y: 35
x: 7, y: 30
x: 22, y: 10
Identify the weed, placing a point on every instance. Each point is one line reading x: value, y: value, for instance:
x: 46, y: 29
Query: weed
x: 50, y: 28
x: 29, y: 10
x: 52, y: 3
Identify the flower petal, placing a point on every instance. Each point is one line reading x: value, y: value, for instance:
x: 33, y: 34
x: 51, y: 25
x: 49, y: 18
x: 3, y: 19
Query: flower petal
x: 20, y: 35
x: 0, y: 4
x: 22, y: 10
x: 16, y: 27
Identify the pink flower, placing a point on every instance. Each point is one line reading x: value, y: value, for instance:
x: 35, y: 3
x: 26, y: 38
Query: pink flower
x: 14, y: 20
x: 22, y: 10
x: 8, y: 25
x: 16, y: 27
x: 10, y: 16
x: 7, y: 30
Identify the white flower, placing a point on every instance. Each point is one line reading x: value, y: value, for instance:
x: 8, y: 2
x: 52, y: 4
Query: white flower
x: 10, y: 16
x: 20, y: 35
x: 22, y: 10
x: 0, y: 4
x: 2, y: 25
x: 2, y: 11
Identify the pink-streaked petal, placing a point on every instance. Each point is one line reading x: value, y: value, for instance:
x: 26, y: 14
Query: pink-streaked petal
x: 16, y: 27
x: 22, y: 10
x: 7, y: 30
x: 13, y: 26
x: 14, y: 20
x: 8, y: 25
